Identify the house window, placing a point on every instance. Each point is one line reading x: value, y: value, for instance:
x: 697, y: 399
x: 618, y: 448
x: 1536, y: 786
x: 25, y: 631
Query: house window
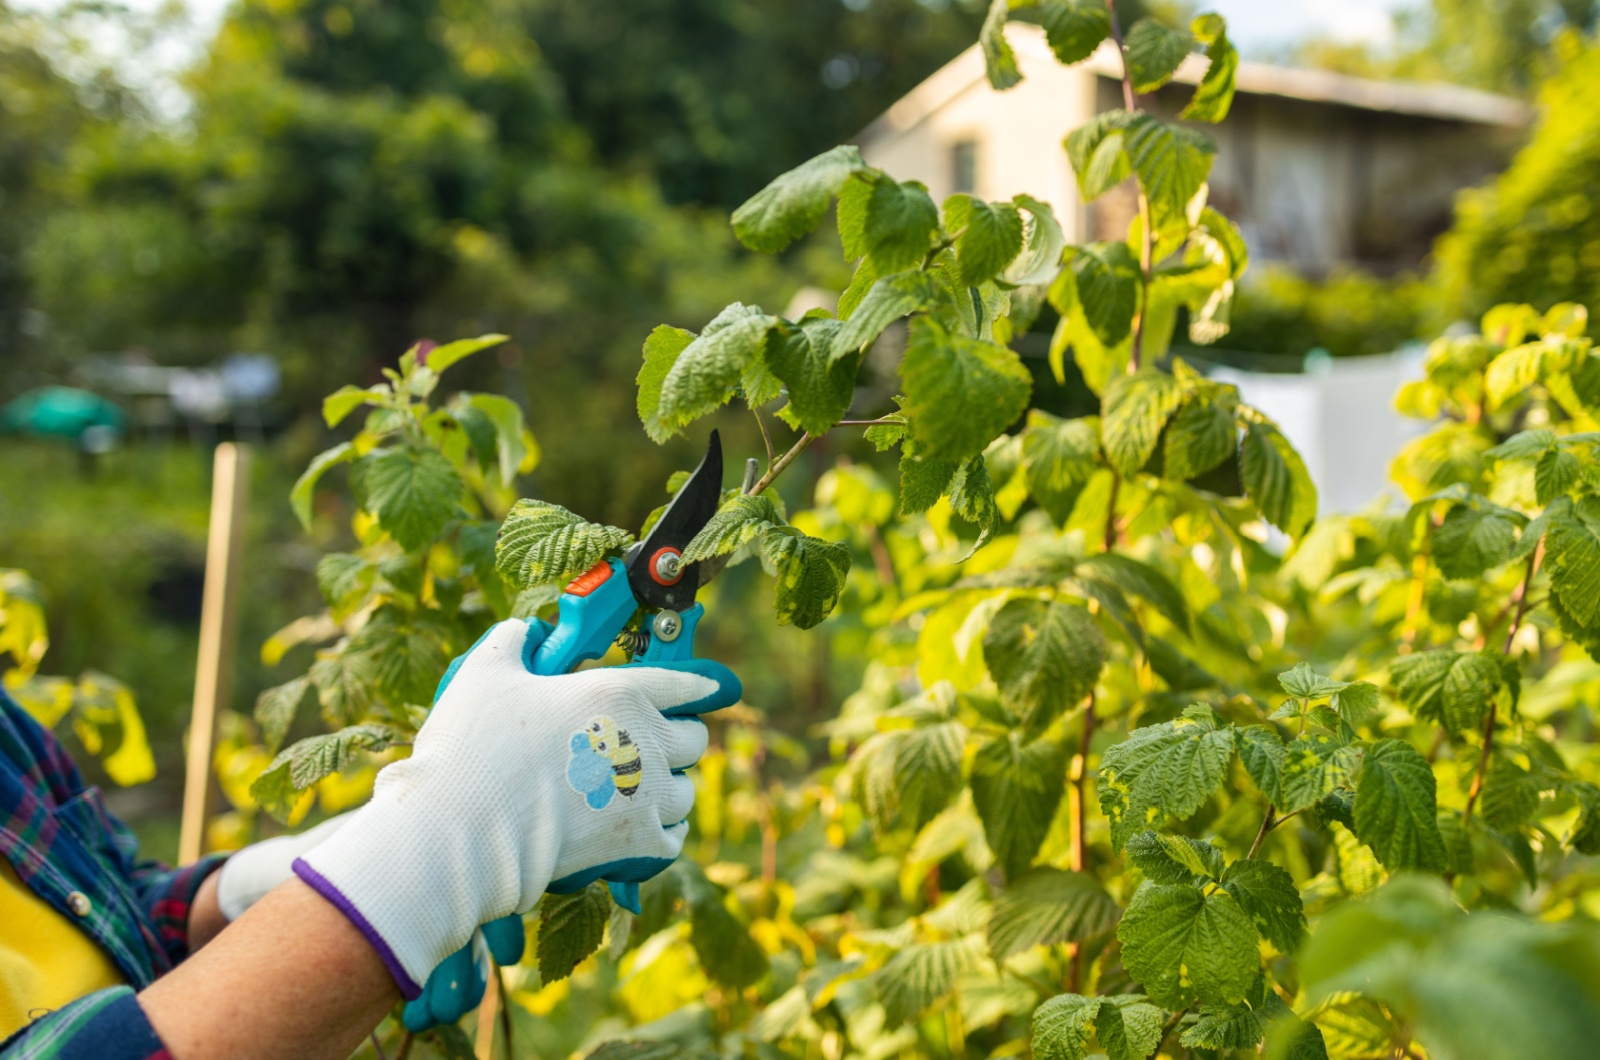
x: 964, y: 166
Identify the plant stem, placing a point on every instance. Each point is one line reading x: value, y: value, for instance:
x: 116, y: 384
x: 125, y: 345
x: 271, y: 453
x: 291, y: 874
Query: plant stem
x: 1111, y: 513
x: 1080, y: 778
x: 1267, y: 824
x: 405, y: 1046
x: 377, y: 1047
x: 766, y: 438
x: 883, y: 421
x: 1147, y: 244
x: 782, y: 462
x: 1170, y: 1026
x: 505, y: 1011
x: 1489, y: 719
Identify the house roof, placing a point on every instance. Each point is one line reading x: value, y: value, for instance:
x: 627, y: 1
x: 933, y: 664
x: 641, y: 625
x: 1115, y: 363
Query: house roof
x: 1439, y: 101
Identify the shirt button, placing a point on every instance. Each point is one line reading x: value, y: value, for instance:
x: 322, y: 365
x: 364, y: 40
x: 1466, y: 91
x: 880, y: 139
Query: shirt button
x: 79, y: 903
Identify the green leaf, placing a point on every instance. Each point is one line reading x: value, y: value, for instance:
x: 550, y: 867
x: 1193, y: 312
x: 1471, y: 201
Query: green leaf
x: 972, y: 498
x: 1268, y: 896
x: 890, y: 224
x: 1261, y: 751
x: 570, y: 929
x: 344, y: 581
x: 1154, y: 53
x: 1355, y: 701
x: 1129, y: 1027
x: 738, y: 522
x: 961, y: 393
x: 1045, y: 656
x: 1572, y: 552
x: 413, y: 492
x: 1041, y: 253
x: 922, y: 974
x: 1138, y: 579
x: 307, y: 761
x: 1058, y: 458
x: 922, y: 480
x: 989, y: 239
x: 544, y: 542
x: 1016, y: 788
x: 1174, y: 858
x: 1303, y: 682
x: 506, y: 416
x: 276, y: 708
x: 661, y: 352
x: 346, y: 684
x: 1313, y: 766
x: 441, y: 357
x: 724, y: 946
x: 408, y: 652
x: 1170, y: 768
x: 1183, y: 946
x: 795, y: 202
x: 1202, y: 435
x: 811, y: 574
x: 705, y: 373
x: 1136, y: 408
x: 820, y: 386
x: 1045, y: 906
x: 999, y: 61
x: 1556, y: 473
x: 1396, y: 808
x: 449, y: 1041
x: 1474, y: 538
x: 1585, y: 836
x: 305, y: 487
x: 1074, y: 28
x: 907, y: 775
x: 1452, y: 687
x: 887, y: 300
x: 339, y: 404
x: 1062, y: 1025
x: 1214, y: 95
x: 1108, y: 285
x: 1097, y: 151
x: 1172, y: 163
x: 1524, y: 445
x: 1276, y: 479
x: 1510, y: 794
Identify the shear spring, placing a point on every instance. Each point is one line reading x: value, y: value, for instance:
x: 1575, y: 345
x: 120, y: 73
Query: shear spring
x: 633, y: 641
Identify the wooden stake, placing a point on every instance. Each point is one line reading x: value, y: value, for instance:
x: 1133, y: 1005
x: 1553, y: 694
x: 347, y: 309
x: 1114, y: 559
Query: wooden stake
x: 213, y: 676
x: 484, y: 1046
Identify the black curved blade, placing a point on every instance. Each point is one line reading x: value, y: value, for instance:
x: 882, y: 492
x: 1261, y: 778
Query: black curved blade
x: 689, y: 511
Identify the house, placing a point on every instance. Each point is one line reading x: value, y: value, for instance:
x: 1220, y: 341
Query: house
x: 1317, y: 169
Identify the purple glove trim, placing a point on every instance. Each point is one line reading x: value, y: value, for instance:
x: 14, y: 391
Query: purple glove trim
x: 408, y: 987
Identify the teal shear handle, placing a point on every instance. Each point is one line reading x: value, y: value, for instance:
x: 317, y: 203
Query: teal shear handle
x: 594, y: 609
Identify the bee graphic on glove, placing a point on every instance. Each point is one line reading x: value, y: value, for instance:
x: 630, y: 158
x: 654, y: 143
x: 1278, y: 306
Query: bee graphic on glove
x: 605, y: 760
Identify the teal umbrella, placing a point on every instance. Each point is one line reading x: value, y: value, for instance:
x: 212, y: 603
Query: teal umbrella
x: 65, y: 412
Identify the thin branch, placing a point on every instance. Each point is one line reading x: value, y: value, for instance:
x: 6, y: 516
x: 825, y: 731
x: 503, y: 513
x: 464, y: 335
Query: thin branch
x: 882, y: 421
x: 1267, y: 824
x: 1170, y: 1026
x: 377, y: 1047
x: 1490, y: 718
x: 766, y: 438
x: 405, y: 1046
x: 1147, y: 240
x: 1111, y: 513
x: 505, y: 1011
x: 782, y: 462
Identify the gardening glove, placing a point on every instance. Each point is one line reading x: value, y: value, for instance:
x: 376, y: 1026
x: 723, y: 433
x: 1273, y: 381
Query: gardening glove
x: 248, y: 874
x: 518, y: 784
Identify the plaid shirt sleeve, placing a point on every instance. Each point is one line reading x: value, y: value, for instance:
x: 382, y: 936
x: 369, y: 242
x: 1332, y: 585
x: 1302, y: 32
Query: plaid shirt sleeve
x: 106, y: 1025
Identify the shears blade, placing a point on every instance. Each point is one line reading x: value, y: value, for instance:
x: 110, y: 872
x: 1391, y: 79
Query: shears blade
x: 655, y: 574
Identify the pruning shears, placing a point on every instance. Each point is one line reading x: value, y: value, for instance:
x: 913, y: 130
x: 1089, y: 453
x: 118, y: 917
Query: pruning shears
x: 650, y: 577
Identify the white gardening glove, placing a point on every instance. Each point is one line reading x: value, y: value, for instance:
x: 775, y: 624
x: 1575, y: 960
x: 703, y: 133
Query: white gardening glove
x: 248, y: 874
x: 517, y: 784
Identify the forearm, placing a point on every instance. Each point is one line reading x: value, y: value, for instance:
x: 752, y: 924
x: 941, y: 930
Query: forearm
x: 291, y: 978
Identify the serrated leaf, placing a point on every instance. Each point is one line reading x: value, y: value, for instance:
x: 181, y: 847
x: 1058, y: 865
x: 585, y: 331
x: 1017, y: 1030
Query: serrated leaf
x: 1214, y: 95
x: 999, y: 61
x: 1108, y: 284
x: 1524, y: 445
x: 972, y: 498
x: 921, y: 974
x: 305, y: 487
x: 1045, y: 656
x: 1174, y: 858
x: 346, y: 684
x: 413, y: 492
x: 1074, y: 28
x: 1136, y: 408
x: 1585, y: 835
x: 661, y: 352
x: 1355, y: 701
x: 1268, y: 896
x: 908, y: 775
x: 1303, y: 682
x: 724, y: 946
x: 339, y: 404
x: 570, y: 929
x: 1172, y: 163
x: 1045, y: 906
x: 811, y: 573
x: 1183, y: 946
x: 343, y: 580
x: 276, y: 709
x: 408, y: 652
x: 961, y: 393
x: 1572, y: 552
x: 1396, y: 808
x: 794, y: 203
x: 1451, y: 687
x: 820, y: 388
x: 1474, y: 538
x: 887, y: 300
x: 1201, y: 436
x: 1062, y: 1025
x: 506, y: 417
x: 1276, y: 479
x: 738, y: 522
x: 442, y: 357
x: 544, y: 542
x: 1555, y: 474
x: 922, y: 480
x: 307, y: 761
x: 1139, y: 579
x: 1016, y: 788
x: 704, y: 374
x: 989, y: 239
x: 1510, y: 794
x: 1170, y: 768
x: 1041, y: 254
x: 890, y: 224
x: 1261, y: 751
x: 1155, y: 52
x: 1313, y: 766
x: 1058, y: 458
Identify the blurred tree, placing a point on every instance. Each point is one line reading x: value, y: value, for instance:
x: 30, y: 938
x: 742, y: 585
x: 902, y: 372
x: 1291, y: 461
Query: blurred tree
x: 1533, y: 235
